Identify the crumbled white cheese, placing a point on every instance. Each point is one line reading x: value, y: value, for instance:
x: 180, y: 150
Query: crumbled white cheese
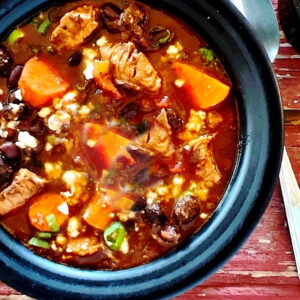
x: 75, y: 181
x: 58, y: 120
x: 102, y: 41
x: 67, y: 99
x: 73, y: 227
x: 89, y: 56
x: 174, y: 50
x: 179, y: 83
x: 48, y: 147
x: 44, y: 112
x: 91, y: 143
x: 3, y: 133
x: 125, y: 246
x: 178, y: 180
x: 25, y: 140
x: 12, y: 124
x: 18, y: 95
x: 84, y: 110
x: 15, y: 107
x: 64, y: 208
x: 162, y: 190
x: 151, y: 197
x: 53, y: 170
x: 203, y: 215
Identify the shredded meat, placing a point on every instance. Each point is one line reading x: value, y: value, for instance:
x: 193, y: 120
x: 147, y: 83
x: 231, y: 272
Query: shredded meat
x: 202, y: 154
x: 131, y: 67
x: 158, y: 139
x: 83, y: 246
x: 24, y: 186
x: 75, y: 28
x: 133, y: 22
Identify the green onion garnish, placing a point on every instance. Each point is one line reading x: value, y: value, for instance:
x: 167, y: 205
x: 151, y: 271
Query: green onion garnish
x: 114, y: 235
x: 52, y: 223
x: 35, y: 22
x: 44, y: 26
x: 207, y: 54
x: 15, y: 36
x: 36, y: 242
x: 44, y: 235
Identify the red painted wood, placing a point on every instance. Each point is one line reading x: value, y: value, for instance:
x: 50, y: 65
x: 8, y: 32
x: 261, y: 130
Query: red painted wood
x: 265, y: 266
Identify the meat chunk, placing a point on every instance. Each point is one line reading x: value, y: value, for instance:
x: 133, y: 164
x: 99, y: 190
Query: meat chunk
x: 187, y: 208
x: 110, y: 14
x: 75, y: 28
x: 214, y: 119
x: 24, y: 186
x: 83, y: 246
x: 158, y: 139
x: 133, y: 22
x: 132, y: 68
x: 206, y: 168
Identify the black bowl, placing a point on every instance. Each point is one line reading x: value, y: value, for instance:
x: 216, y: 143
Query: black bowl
x: 246, y: 198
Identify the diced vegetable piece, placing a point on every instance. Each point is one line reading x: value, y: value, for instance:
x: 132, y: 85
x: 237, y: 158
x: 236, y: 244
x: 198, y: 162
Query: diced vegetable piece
x: 105, y: 147
x: 204, y: 91
x: 98, y: 213
x: 207, y: 54
x: 44, y: 235
x: 103, y: 79
x: 44, y: 26
x: 118, y: 201
x: 15, y: 36
x: 35, y: 22
x: 52, y: 223
x: 114, y: 235
x: 40, y: 83
x: 44, y: 214
x: 36, y: 242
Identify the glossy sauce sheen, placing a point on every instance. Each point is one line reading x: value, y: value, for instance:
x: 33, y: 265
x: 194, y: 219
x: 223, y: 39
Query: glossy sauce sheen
x: 143, y: 248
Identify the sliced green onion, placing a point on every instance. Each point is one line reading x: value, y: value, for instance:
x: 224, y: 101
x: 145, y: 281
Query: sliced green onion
x: 44, y: 235
x: 160, y: 35
x: 35, y: 50
x: 44, y: 26
x: 35, y: 22
x: 208, y: 54
x: 114, y: 235
x: 36, y: 242
x: 15, y: 36
x: 52, y: 223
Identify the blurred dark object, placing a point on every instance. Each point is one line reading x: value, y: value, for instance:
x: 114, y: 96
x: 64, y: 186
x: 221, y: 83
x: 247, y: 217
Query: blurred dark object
x: 289, y: 16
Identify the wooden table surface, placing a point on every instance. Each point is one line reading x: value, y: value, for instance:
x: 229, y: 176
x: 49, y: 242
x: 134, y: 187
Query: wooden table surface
x: 265, y: 266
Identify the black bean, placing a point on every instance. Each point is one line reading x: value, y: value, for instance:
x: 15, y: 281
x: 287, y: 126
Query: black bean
x: 154, y: 214
x: 37, y: 127
x: 187, y: 208
x: 9, y: 114
x: 15, y: 74
x: 6, y: 61
x: 175, y: 122
x: 129, y: 111
x: 75, y: 59
x: 5, y: 172
x: 11, y: 151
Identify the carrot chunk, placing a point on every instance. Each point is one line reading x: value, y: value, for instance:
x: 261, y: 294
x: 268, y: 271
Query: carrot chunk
x: 103, y: 146
x: 40, y: 83
x: 203, y: 90
x: 103, y: 79
x: 98, y: 213
x: 45, y: 208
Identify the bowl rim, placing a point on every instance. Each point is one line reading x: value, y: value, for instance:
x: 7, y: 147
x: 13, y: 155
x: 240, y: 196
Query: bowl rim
x: 184, y: 267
